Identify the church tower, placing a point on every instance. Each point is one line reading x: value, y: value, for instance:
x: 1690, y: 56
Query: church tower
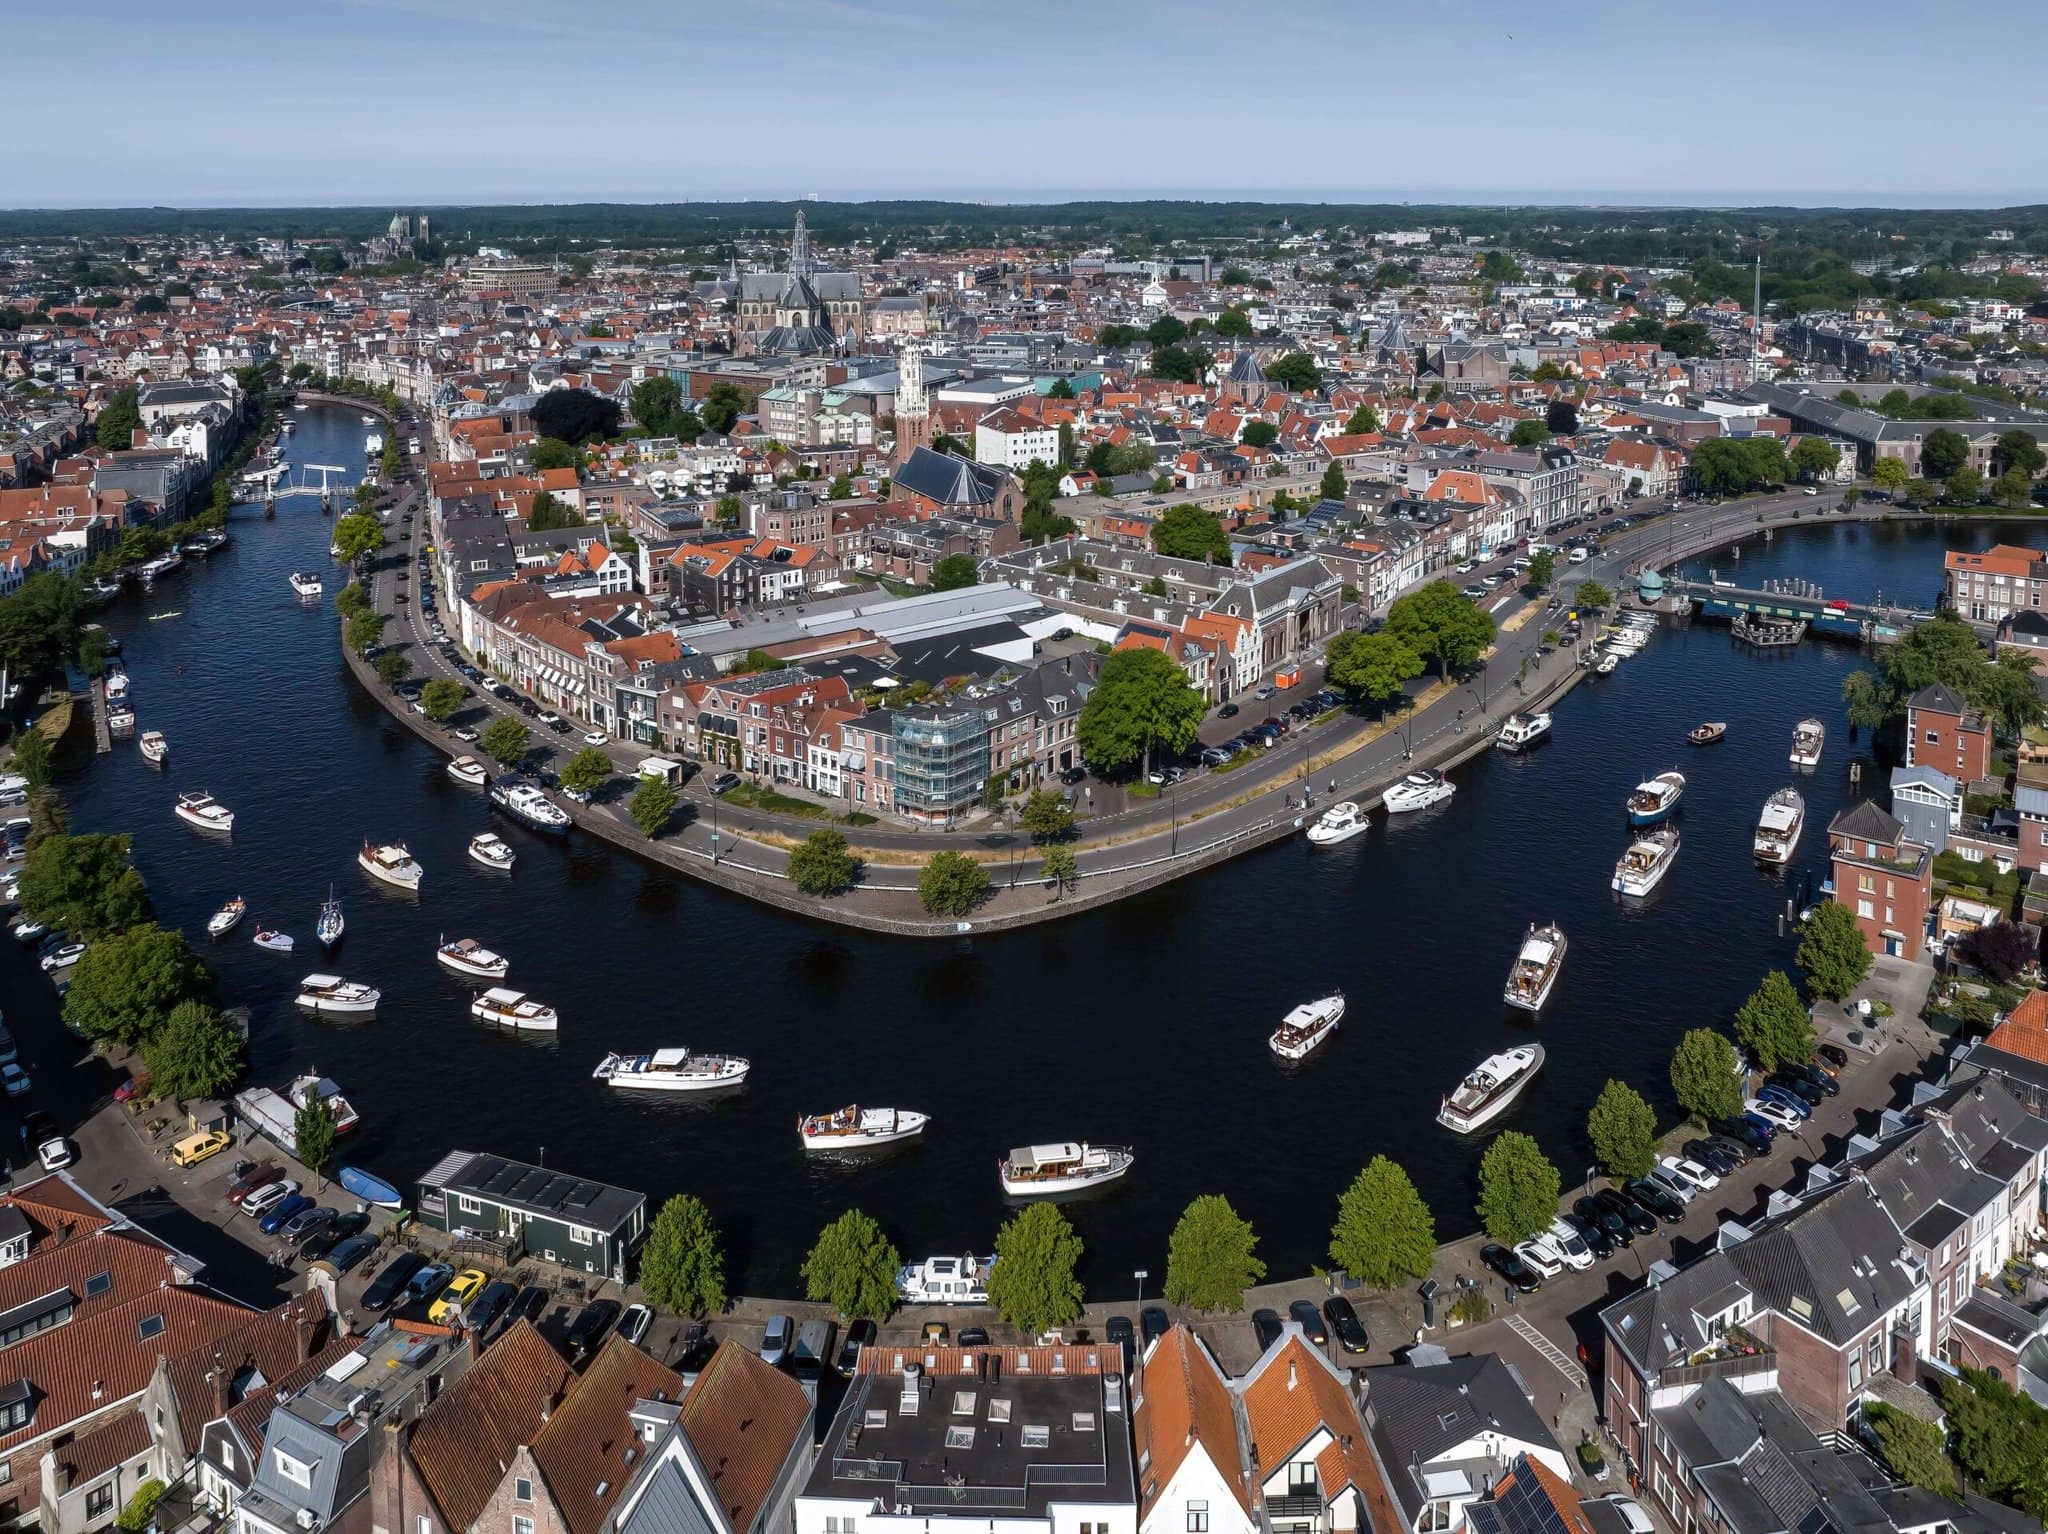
x: 800, y: 249
x: 913, y: 406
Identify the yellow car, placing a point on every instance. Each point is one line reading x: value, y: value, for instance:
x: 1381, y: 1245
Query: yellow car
x: 460, y: 1288
x: 194, y: 1149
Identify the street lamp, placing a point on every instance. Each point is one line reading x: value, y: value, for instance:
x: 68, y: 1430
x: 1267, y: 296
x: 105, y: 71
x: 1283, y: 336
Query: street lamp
x: 1141, y: 1275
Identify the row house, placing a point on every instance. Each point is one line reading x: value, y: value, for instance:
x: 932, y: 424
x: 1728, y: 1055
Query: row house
x: 762, y: 724
x: 1990, y: 587
x: 1546, y: 480
x: 1883, y: 877
x: 1945, y: 732
x: 546, y: 645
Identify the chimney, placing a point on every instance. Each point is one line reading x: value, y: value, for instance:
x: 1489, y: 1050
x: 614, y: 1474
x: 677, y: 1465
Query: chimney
x: 305, y: 1328
x: 1905, y: 1356
x: 1290, y: 1374
x: 221, y: 1403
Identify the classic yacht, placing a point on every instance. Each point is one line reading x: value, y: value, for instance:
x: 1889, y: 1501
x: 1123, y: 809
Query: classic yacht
x: 1337, y: 824
x: 467, y: 769
x: 1808, y: 736
x: 331, y: 993
x: 1522, y: 731
x: 306, y: 583
x: 120, y: 719
x: 1707, y: 734
x: 276, y: 942
x: 227, y: 918
x: 154, y: 747
x: 1307, y: 1027
x: 1648, y: 859
x: 1030, y: 1171
x: 1535, y: 968
x: 1656, y: 798
x: 391, y: 863
x: 330, y: 925
x: 1778, y: 828
x: 1418, y: 791
x: 858, y: 1128
x: 303, y: 1088
x: 1493, y: 1085
x: 513, y: 1009
x: 466, y: 956
x: 117, y: 686
x: 672, y: 1070
x: 526, y: 804
x: 945, y: 1281
x: 202, y: 811
x: 492, y: 851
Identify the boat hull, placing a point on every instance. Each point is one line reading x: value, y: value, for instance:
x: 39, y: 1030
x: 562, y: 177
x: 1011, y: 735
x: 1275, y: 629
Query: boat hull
x: 652, y: 1081
x: 203, y: 823
x: 383, y: 875
x: 1399, y: 803
x: 368, y: 1187
x: 504, y: 865
x: 1637, y: 884
x: 350, y: 1005
x: 863, y: 1140
x: 1337, y: 836
x: 1638, y: 817
x: 1495, y: 1106
x: 496, y: 971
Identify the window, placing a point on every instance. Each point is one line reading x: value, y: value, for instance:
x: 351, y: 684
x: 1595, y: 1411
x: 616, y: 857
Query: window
x: 148, y: 1327
x: 1039, y: 1436
x: 1198, y: 1516
x: 1856, y: 1371
x: 522, y: 1489
x: 227, y: 1456
x: 99, y: 1502
x: 299, y: 1474
x: 961, y: 1437
x: 1301, y: 1478
x: 17, y: 1412
x: 581, y: 1236
x: 1874, y: 1356
x: 423, y: 1525
x: 963, y: 1403
x: 1865, y: 909
x: 469, y: 1205
x: 98, y: 1285
x: 522, y: 1526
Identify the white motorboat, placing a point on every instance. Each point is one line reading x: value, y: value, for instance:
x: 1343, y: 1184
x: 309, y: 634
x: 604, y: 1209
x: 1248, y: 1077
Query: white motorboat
x: 373, y: 444
x: 331, y: 923
x: 1778, y: 828
x: 369, y: 420
x: 1492, y: 1087
x: 202, y: 811
x: 1808, y: 737
x: 1339, y: 823
x: 945, y: 1281
x: 120, y: 719
x: 1648, y: 859
x: 1521, y: 732
x: 672, y: 1070
x: 857, y: 1128
x: 1032, y: 1171
x: 391, y: 863
x: 331, y: 993
x: 117, y: 686
x: 1707, y: 734
x: 306, y: 583
x: 1536, y: 968
x: 513, y: 1009
x: 466, y: 956
x: 467, y: 769
x: 1305, y: 1028
x: 154, y: 747
x: 492, y: 850
x: 1654, y: 799
x: 276, y: 942
x: 227, y: 918
x: 1418, y: 791
x: 1607, y: 662
x: 525, y: 803
x: 303, y: 1089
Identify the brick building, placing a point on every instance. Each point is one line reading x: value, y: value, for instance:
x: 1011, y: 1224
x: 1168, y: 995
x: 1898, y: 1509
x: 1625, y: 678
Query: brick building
x: 1885, y: 879
x: 1944, y: 731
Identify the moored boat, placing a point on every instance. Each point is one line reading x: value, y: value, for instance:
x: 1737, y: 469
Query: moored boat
x: 1307, y: 1027
x: 224, y: 921
x: 525, y: 803
x: 1607, y: 662
x: 467, y: 769
x: 1649, y: 857
x: 1778, y: 828
x: 369, y: 1187
x: 857, y: 1128
x: 1536, y: 968
x: 1418, y: 791
x: 1654, y: 799
x: 117, y: 685
x: 492, y: 851
x: 672, y: 1070
x: 513, y: 1009
x: 154, y: 747
x: 276, y: 942
x: 204, y: 812
x: 1490, y: 1089
x: 120, y: 719
x: 1032, y: 1171
x: 331, y: 993
x: 331, y: 923
x: 306, y: 584
x: 959, y: 1280
x: 1808, y: 737
x: 1337, y: 824
x: 303, y: 1089
x: 1707, y: 734
x: 391, y: 863
x: 466, y: 956
x: 1522, y: 731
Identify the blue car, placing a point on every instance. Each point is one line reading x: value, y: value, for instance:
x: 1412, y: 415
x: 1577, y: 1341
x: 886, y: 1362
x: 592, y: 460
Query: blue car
x: 1788, y: 1100
x: 1762, y: 1126
x: 274, y: 1221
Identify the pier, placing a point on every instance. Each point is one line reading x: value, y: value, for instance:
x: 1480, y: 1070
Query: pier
x: 102, y: 732
x: 1799, y: 602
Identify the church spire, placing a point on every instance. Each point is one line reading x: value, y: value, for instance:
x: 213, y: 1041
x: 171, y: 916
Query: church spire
x: 800, y: 249
x: 913, y: 405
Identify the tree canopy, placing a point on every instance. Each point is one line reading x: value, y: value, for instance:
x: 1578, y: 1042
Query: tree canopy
x: 83, y: 885
x: 1187, y: 531
x: 1374, y: 667
x: 1442, y: 624
x: 1623, y: 1130
x: 194, y: 1054
x: 126, y: 985
x: 575, y: 415
x: 652, y: 805
x: 554, y: 453
x: 1384, y: 1231
x: 682, y: 1267
x: 1211, y: 1257
x: 505, y: 740
x: 1833, y: 954
x: 312, y: 1130
x: 951, y: 883
x: 1296, y: 372
x: 954, y: 572
x: 1731, y: 465
x: 853, y: 1268
x: 1032, y: 1285
x: 1518, y: 1188
x: 1703, y: 1075
x: 1141, y: 700
x: 822, y: 864
x: 358, y: 535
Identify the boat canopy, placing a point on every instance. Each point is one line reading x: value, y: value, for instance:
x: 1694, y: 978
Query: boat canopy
x: 319, y: 982
x: 499, y: 996
x: 665, y: 1059
x: 1029, y: 1158
x: 1538, y: 950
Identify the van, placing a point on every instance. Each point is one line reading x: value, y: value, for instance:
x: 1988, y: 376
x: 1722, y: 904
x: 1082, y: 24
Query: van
x: 1578, y: 556
x: 194, y: 1149
x: 812, y: 1350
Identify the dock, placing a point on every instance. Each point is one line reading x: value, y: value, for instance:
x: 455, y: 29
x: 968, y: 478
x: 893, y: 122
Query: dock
x: 102, y: 734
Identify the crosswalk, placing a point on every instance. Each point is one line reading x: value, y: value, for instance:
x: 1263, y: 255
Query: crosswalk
x: 1555, y: 1356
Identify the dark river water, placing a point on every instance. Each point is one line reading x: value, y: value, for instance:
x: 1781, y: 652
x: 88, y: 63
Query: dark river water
x: 1143, y: 1025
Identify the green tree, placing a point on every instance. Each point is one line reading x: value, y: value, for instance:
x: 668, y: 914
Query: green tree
x: 367, y: 498
x: 1167, y: 330
x: 352, y: 599
x: 1295, y: 372
x: 682, y: 1267
x: 1211, y: 1257
x: 1964, y: 486
x: 653, y: 802
x: 1384, y: 1231
x: 33, y: 757
x: 116, y: 424
x: 126, y: 985
x: 1259, y: 434
x: 1943, y: 452
x: 1233, y: 324
x: 312, y: 1131
x: 1061, y: 389
x: 1814, y: 458
x: 1187, y: 531
x: 1833, y: 953
x: 587, y: 770
x: 1914, y: 1451
x: 822, y: 864
x: 841, y: 488
x: 722, y: 408
x: 1593, y: 595
x: 1863, y: 697
x: 1142, y: 700
x: 2017, y: 449
x: 441, y: 697
x: 1032, y: 1284
x: 505, y: 740
x: 656, y: 403
x: 1623, y: 1129
x: 853, y: 1268
x: 1542, y: 569
x: 951, y: 883
x: 362, y: 630
x: 1062, y: 867
x: 1364, y: 420
x: 393, y: 668
x: 1518, y: 1188
x: 194, y: 1054
x: 2000, y: 1438
x: 1440, y: 623
x: 2012, y: 488
x: 546, y: 514
x: 1371, y: 666
x: 554, y: 453
x: 83, y: 885
x: 140, y: 1513
x: 1889, y: 474
x: 1703, y: 1075
x: 1334, y: 486
x: 1772, y: 1022
x: 1046, y: 815
x: 955, y: 572
x: 1528, y: 433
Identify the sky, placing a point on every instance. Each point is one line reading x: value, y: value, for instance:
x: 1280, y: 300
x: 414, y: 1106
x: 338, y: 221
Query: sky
x: 405, y: 102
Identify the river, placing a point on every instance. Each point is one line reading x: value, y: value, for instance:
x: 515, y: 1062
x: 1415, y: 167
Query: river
x: 1142, y: 1025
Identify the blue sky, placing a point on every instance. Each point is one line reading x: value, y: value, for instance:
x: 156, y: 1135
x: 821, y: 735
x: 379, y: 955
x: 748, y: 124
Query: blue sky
x: 443, y: 101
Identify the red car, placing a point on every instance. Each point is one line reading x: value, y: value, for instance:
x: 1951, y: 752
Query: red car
x: 132, y: 1088
x: 1839, y: 605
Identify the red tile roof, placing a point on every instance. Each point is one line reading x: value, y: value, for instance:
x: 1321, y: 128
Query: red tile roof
x: 742, y: 1418
x: 461, y: 1446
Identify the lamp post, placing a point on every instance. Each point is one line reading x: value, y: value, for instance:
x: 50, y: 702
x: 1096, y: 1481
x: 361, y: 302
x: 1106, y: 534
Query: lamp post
x: 1141, y: 1275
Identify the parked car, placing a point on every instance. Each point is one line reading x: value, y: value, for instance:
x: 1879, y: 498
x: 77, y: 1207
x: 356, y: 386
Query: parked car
x: 464, y: 1284
x: 1655, y: 1199
x: 388, y: 1285
x: 634, y: 1323
x: 426, y: 1285
x: 1791, y: 1081
x: 1800, y: 1109
x: 1539, y: 1254
x: 268, y: 1197
x: 1754, y: 1132
x: 305, y: 1223
x: 1118, y: 1329
x: 1574, y: 1252
x: 970, y: 1336
x: 15, y: 1079
x: 1717, y: 1158
x: 1228, y: 711
x: 1640, y: 1219
x: 1510, y: 1267
x: 250, y: 1178
x: 1609, y: 1221
x: 1343, y: 1319
x: 1673, y: 1182
x: 1153, y: 1322
x: 1073, y: 775
x: 1305, y: 1315
x: 55, y: 1153
x: 1266, y: 1327
x: 337, y: 1230
x: 1833, y: 1054
x: 775, y: 1339
x: 283, y: 1210
x: 1734, y: 1151
x: 347, y: 1254
x: 859, y: 1334
x: 1819, y: 1075
x: 1594, y: 1234
x: 725, y: 782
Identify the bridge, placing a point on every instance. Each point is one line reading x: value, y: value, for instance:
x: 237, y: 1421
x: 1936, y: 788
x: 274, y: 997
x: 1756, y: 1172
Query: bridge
x: 280, y: 483
x: 1862, y: 622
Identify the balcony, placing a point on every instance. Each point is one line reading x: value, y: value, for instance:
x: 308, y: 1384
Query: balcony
x: 1729, y: 1360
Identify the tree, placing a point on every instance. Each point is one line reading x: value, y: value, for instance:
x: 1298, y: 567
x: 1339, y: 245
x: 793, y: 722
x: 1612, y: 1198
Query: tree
x: 140, y: 1513
x: 39, y: 622
x: 1561, y: 418
x: 505, y: 740
x: 1295, y: 372
x: 358, y: 535
x: 1703, y: 1075
x: 312, y: 1130
x: 1964, y: 486
x: 441, y: 697
x: 722, y: 408
x: 587, y: 770
x: 1142, y: 699
x: 1542, y: 568
x: 1046, y: 815
x: 656, y: 402
x: 194, y: 1054
x: 1062, y: 868
x: 840, y: 489
x: 1685, y: 339
x: 1371, y: 666
x: 126, y: 985
x: 1334, y: 486
x: 352, y: 599
x: 1518, y: 1188
x: 1061, y: 389
x: 546, y: 514
x: 367, y: 498
x: 1212, y: 1256
x: 1593, y: 595
x: 1529, y: 433
x: 1833, y: 953
x: 1914, y: 1451
x: 1259, y: 434
x: 1183, y: 364
x: 1032, y: 1284
x: 2012, y: 488
x: 951, y: 884
x: 853, y: 1268
x: 682, y: 1267
x: 575, y: 415
x: 1889, y: 474
x: 1943, y: 452
x: 1187, y: 531
x: 1814, y: 458
x: 1440, y: 623
x: 1773, y: 1024
x: 554, y: 453
x: 33, y: 757
x: 83, y: 885
x: 362, y: 630
x: 954, y: 572
x: 653, y: 802
x: 822, y: 864
x: 1623, y: 1129
x: 1384, y: 1231
x: 2001, y: 950
x: 2017, y: 449
x: 1234, y: 324
x: 2000, y: 1438
x: 1364, y: 420
x: 393, y: 668
x: 116, y: 424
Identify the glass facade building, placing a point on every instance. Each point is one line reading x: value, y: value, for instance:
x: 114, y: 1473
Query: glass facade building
x: 941, y: 760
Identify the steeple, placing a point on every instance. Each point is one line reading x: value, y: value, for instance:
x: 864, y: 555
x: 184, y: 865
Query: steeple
x: 800, y: 249
x: 913, y: 406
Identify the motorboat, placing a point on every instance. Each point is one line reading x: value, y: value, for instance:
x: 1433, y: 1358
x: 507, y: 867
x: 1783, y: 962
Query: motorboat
x: 467, y: 769
x: 857, y: 1128
x: 1536, y: 968
x: 373, y: 444
x: 1306, y: 1027
x: 1490, y: 1089
x: 276, y: 942
x: 1808, y: 737
x: 1778, y: 828
x: 1418, y: 791
x: 1648, y: 859
x: 1521, y: 732
x: 202, y: 811
x: 306, y: 583
x: 330, y: 926
x: 1606, y: 664
x: 1031, y: 1171
x: 391, y: 863
x: 120, y: 719
x: 492, y: 850
x: 154, y: 747
x: 466, y: 956
x: 525, y: 803
x: 672, y: 1070
x: 945, y: 1281
x: 303, y: 1090
x: 513, y: 1009
x: 331, y: 993
x: 1707, y: 734
x: 369, y: 420
x: 227, y: 918
x: 117, y: 686
x: 1654, y: 799
x: 1337, y: 824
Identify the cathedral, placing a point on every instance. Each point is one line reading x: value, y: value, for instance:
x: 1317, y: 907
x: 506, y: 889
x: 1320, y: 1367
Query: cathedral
x: 801, y: 311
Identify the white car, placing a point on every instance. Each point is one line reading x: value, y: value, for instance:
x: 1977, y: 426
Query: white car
x: 55, y: 1153
x: 1569, y: 1245
x: 597, y: 738
x: 269, y: 1196
x: 1679, y: 1187
x: 1539, y: 1254
x: 1772, y: 1113
x: 1701, y: 1176
x: 63, y: 958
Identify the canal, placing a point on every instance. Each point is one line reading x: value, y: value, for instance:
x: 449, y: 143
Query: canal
x: 1143, y: 1025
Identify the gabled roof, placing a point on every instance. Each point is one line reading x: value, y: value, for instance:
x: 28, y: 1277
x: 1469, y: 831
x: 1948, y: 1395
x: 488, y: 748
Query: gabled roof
x: 1864, y: 821
x: 1291, y: 1394
x: 582, y: 1449
x: 1938, y: 698
x: 462, y: 1444
x: 1186, y: 1402
x: 742, y: 1417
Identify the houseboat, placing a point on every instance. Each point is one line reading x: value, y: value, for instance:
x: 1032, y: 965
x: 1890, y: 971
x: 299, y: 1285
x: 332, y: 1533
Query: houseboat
x: 1337, y: 824
x: 945, y: 1281
x: 1307, y: 1027
x: 1649, y: 857
x: 1651, y: 801
x: 1032, y: 1171
x: 1491, y: 1089
x: 1418, y: 791
x: 1522, y: 732
x: 1536, y: 968
x: 202, y: 811
x: 466, y: 956
x: 1778, y: 828
x: 672, y: 1070
x: 1808, y: 737
x: 392, y: 864
x: 525, y: 803
x: 331, y: 993
x: 858, y: 1128
x: 513, y: 1009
